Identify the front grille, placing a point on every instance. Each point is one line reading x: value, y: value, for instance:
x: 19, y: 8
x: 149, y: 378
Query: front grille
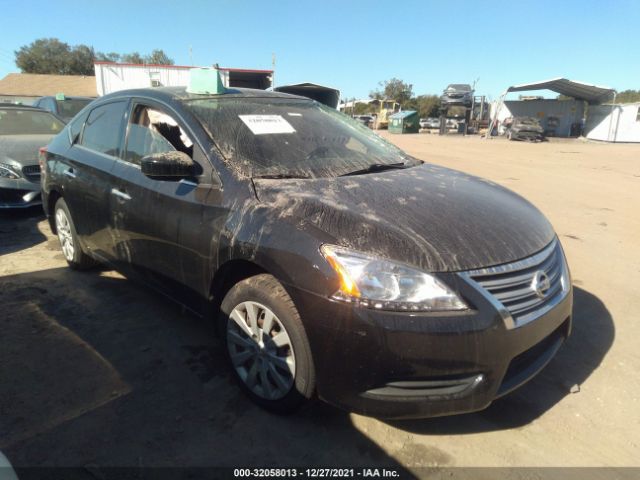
x: 513, y: 284
x: 32, y: 172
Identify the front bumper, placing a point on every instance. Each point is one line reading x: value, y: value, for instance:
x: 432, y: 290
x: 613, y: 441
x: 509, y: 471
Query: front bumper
x: 402, y: 365
x: 19, y: 193
x: 526, y: 135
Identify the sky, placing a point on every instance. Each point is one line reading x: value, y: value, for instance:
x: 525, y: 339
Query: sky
x: 353, y: 45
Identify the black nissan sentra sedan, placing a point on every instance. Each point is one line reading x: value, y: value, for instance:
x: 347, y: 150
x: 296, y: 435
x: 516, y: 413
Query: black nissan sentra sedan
x: 334, y: 264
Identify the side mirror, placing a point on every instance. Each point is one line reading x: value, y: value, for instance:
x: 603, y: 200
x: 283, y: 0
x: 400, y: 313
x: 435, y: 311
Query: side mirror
x: 168, y: 165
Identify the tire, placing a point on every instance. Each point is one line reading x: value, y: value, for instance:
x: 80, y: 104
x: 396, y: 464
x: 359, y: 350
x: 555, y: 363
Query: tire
x: 66, y: 230
x: 275, y: 368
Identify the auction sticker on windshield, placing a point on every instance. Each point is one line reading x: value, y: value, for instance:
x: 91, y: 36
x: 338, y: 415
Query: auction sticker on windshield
x: 266, y: 124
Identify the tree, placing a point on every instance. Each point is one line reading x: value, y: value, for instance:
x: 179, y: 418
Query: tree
x: 45, y: 55
x: 428, y: 105
x: 158, y: 57
x: 628, y: 96
x: 81, y: 60
x: 50, y: 55
x: 108, y: 57
x: 134, y: 57
x: 394, y: 89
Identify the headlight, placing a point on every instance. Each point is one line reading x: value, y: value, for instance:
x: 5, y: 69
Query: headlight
x: 8, y: 171
x: 386, y: 285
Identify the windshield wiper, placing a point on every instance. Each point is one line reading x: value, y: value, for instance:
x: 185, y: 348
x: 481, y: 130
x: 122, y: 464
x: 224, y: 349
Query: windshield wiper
x: 282, y: 175
x: 375, y: 167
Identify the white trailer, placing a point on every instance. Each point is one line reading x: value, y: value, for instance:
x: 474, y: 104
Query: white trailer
x: 112, y: 77
x: 614, y: 123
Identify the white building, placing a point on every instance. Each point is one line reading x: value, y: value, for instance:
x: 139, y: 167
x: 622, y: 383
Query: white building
x: 112, y: 77
x: 614, y: 123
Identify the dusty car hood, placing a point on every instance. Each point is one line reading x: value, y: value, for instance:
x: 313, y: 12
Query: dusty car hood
x: 22, y: 149
x: 429, y: 216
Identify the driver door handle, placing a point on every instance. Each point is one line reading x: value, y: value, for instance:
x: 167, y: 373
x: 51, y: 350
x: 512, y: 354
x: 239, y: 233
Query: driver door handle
x: 120, y: 194
x: 69, y: 173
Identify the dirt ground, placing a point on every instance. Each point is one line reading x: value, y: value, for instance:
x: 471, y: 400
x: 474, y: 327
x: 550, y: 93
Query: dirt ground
x: 97, y: 371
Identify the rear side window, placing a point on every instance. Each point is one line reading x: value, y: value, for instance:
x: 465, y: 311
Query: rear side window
x: 103, y: 130
x: 70, y: 107
x: 75, y: 127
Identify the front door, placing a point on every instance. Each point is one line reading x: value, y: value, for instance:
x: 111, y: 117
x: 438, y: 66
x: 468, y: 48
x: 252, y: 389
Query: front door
x: 155, y: 221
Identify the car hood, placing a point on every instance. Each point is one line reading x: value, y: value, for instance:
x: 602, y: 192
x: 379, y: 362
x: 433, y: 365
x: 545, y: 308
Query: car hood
x: 22, y: 149
x: 432, y: 217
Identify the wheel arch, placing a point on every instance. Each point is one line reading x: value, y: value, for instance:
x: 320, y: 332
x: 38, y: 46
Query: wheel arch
x: 52, y: 199
x: 227, y: 275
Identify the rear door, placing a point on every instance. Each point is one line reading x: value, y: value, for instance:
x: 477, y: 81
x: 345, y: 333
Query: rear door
x: 87, y: 175
x: 156, y: 222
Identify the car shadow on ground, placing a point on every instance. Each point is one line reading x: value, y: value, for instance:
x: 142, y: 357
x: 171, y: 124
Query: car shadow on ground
x: 591, y: 338
x: 19, y: 229
x: 99, y: 372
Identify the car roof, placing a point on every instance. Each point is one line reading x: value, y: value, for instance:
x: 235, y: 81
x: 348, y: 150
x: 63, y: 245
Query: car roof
x: 460, y: 86
x: 17, y: 106
x: 68, y: 97
x: 173, y: 94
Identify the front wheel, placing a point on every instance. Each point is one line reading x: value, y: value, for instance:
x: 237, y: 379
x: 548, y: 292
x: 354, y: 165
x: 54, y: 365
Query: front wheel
x: 66, y: 230
x: 267, y: 345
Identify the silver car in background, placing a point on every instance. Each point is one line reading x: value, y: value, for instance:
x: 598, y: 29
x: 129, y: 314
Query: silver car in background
x: 457, y: 94
x: 23, y: 131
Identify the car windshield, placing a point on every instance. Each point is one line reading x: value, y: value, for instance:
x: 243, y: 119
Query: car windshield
x: 14, y: 121
x: 459, y: 87
x: 286, y: 137
x: 68, y: 107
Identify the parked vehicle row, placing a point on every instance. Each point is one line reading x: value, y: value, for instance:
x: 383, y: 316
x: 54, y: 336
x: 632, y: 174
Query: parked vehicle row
x: 23, y: 131
x: 333, y: 264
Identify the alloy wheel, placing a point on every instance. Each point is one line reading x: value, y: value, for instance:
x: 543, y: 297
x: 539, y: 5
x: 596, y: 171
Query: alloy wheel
x: 261, y: 350
x: 63, y: 227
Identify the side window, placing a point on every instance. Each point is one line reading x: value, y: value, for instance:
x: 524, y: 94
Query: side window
x: 47, y: 104
x: 75, y: 127
x: 103, y: 129
x: 153, y: 131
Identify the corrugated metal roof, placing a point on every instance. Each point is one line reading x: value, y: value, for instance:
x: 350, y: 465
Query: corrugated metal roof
x: 403, y: 114
x: 37, y: 85
x: 570, y: 88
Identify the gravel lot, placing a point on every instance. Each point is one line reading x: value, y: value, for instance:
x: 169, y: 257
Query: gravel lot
x: 97, y: 371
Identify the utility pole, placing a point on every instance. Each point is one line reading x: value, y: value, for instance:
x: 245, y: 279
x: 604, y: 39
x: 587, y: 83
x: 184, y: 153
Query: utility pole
x: 273, y: 73
x: 190, y: 55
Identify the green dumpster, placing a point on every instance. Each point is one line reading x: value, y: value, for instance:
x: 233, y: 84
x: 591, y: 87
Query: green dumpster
x: 406, y: 121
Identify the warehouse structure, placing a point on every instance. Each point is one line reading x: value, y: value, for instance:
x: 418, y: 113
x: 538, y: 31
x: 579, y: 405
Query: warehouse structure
x: 559, y: 117
x: 112, y: 77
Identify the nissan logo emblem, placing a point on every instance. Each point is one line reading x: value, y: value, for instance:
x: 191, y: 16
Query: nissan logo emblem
x: 540, y: 283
